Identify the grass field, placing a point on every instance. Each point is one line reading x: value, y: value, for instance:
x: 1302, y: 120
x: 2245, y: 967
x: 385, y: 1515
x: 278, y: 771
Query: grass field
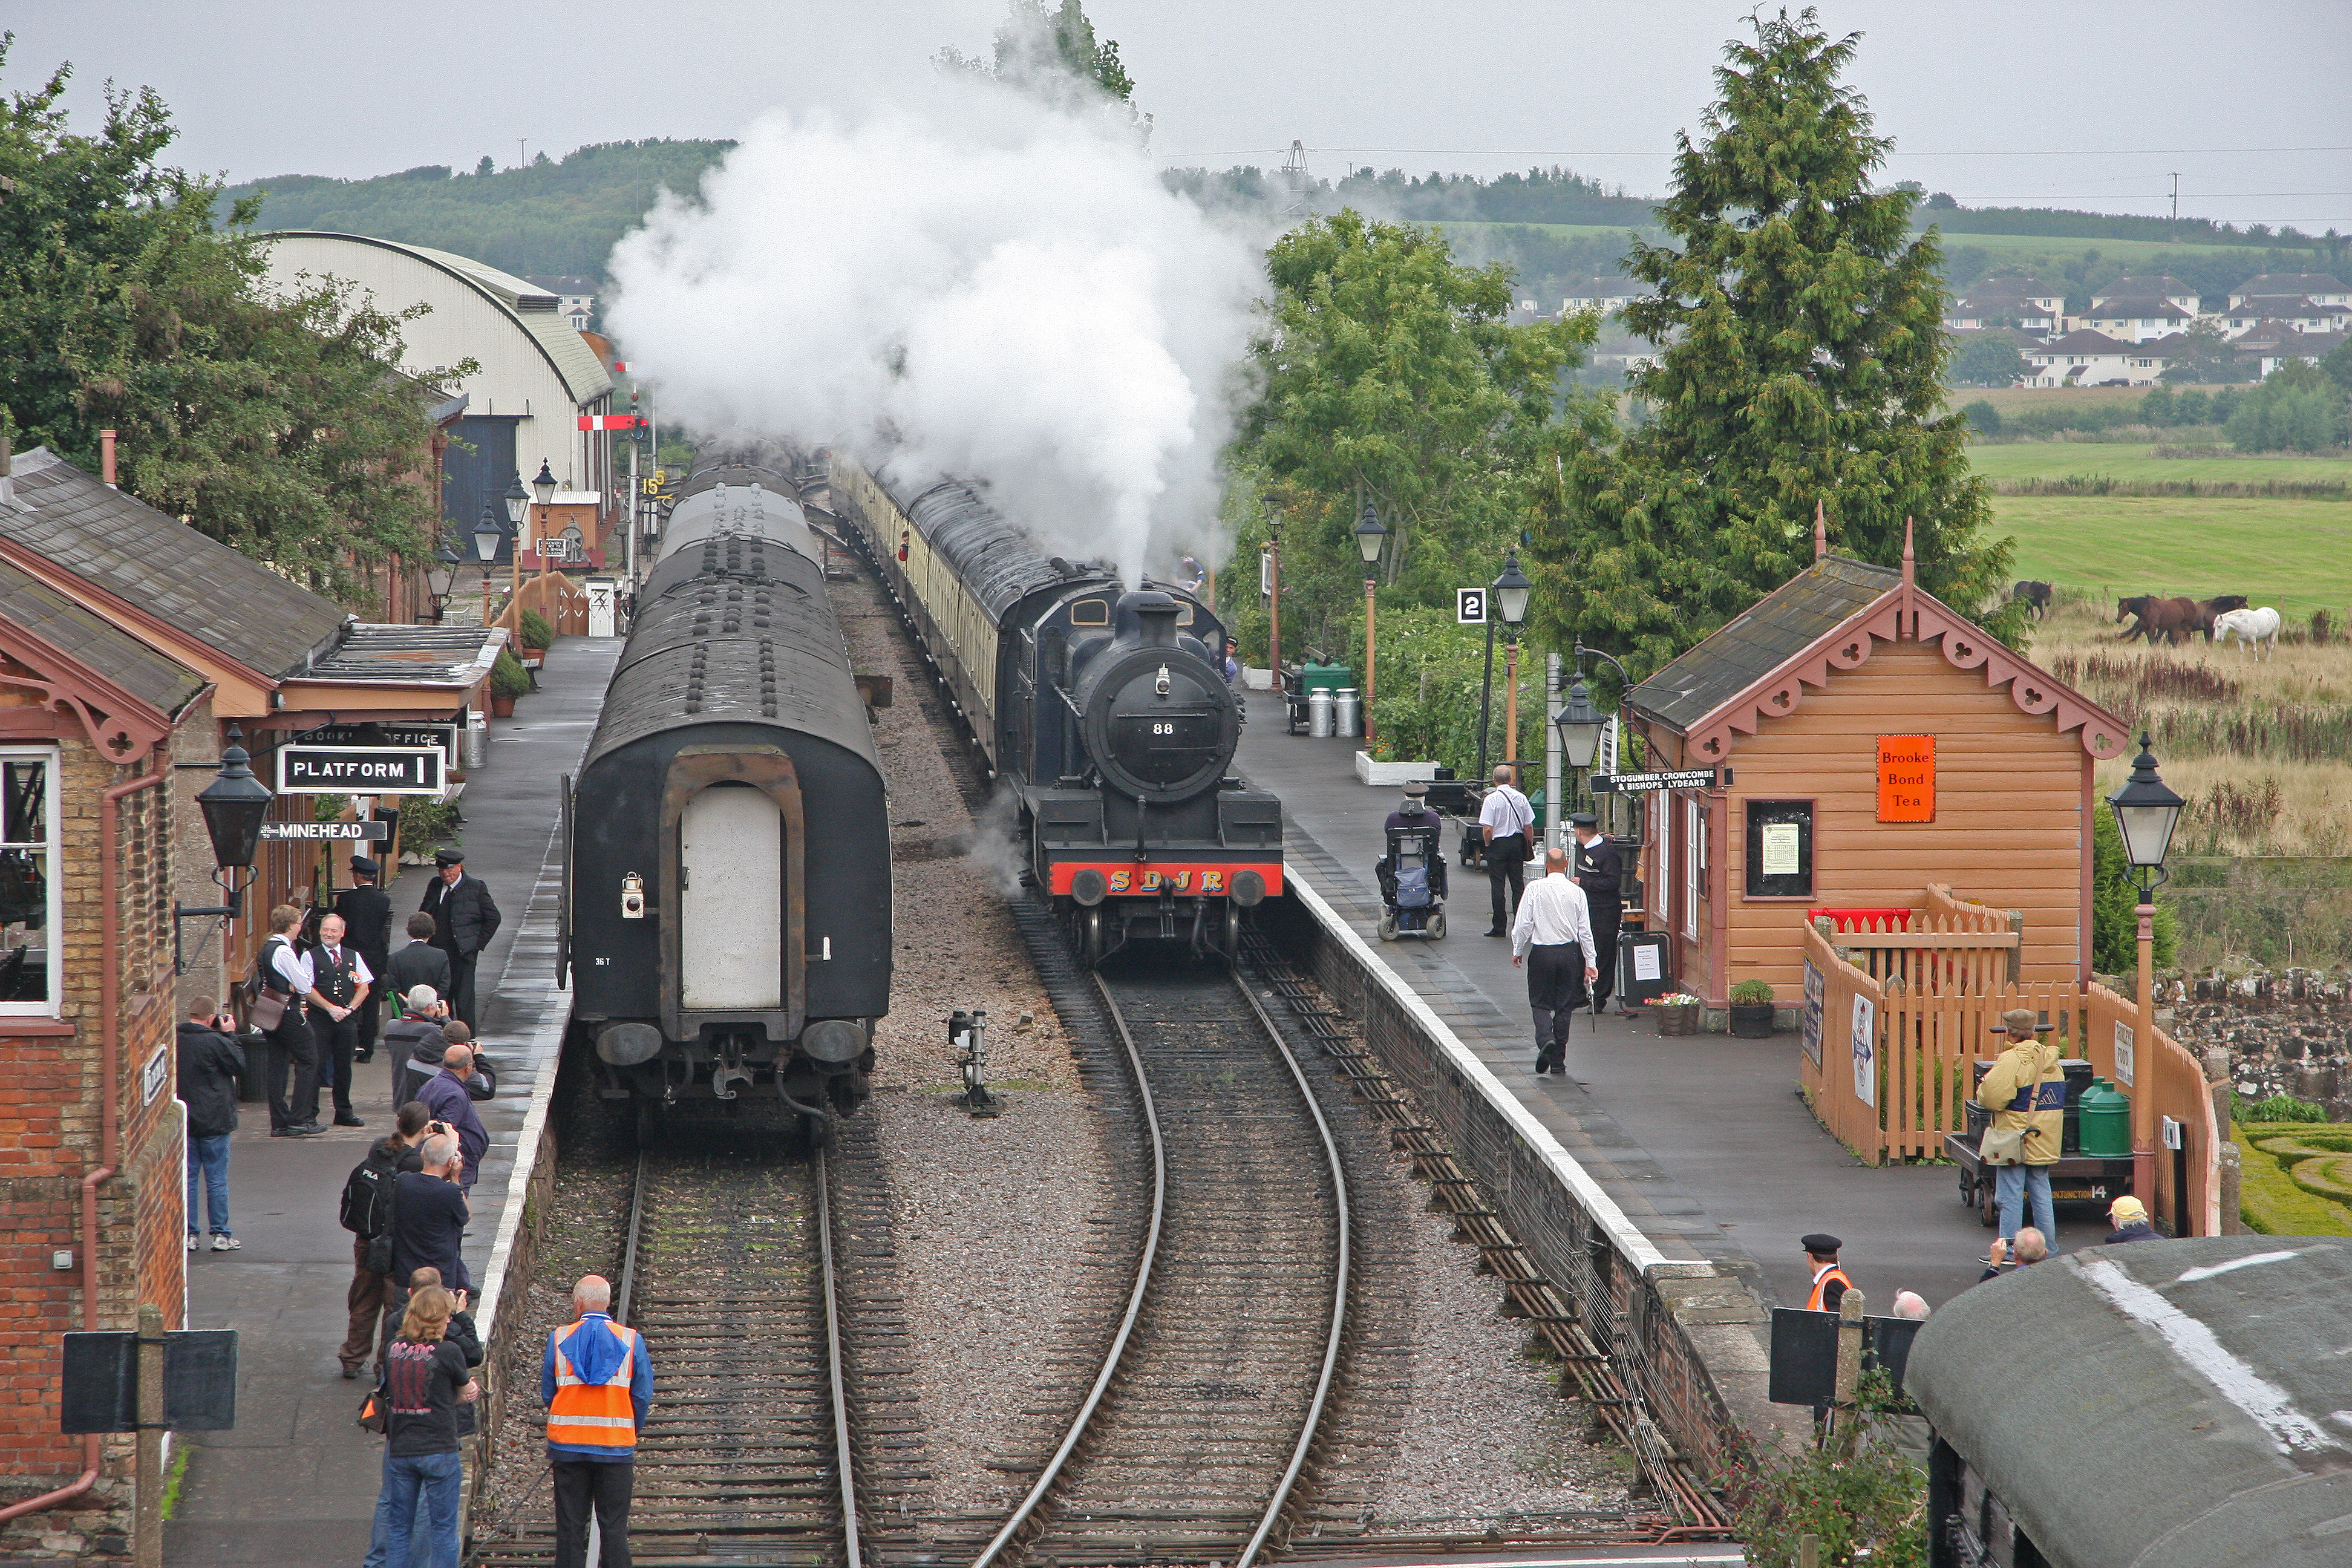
x: 2063, y: 459
x: 2294, y: 554
x: 2015, y: 250
x: 2014, y: 400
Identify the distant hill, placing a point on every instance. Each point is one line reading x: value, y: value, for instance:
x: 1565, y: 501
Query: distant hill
x: 551, y: 217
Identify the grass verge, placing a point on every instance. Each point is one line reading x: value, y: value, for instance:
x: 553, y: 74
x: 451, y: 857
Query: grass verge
x: 2268, y: 1198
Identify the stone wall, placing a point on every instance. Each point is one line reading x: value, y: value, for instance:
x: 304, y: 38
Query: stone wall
x: 2287, y: 1031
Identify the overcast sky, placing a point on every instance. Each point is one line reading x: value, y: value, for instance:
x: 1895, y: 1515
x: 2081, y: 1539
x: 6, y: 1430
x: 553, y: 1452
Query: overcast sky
x: 2082, y: 104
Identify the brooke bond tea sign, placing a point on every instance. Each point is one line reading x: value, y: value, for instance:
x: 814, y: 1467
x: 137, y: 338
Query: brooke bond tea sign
x: 1907, y: 778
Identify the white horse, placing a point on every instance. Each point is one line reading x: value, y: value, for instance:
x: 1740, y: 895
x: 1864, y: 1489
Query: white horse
x: 2251, y: 627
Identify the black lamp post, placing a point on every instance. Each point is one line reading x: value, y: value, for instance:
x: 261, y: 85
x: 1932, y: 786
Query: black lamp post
x: 487, y: 533
x: 2147, y: 811
x: 441, y: 577
x: 542, y: 484
x: 1370, y: 537
x: 233, y: 806
x: 1580, y: 725
x: 1507, y: 597
x: 1509, y: 592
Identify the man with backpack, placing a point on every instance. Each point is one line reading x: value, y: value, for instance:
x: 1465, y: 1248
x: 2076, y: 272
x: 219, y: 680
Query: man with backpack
x: 367, y: 1214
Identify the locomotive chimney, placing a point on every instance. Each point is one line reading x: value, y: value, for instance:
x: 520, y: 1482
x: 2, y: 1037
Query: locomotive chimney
x: 1155, y: 617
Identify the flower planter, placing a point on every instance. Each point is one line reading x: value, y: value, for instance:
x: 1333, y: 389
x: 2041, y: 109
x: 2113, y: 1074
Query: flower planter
x: 502, y: 707
x: 1751, y: 1020
x: 1681, y: 1020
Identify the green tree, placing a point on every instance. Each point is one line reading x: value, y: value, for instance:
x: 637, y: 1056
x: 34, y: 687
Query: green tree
x: 1387, y: 371
x: 1054, y: 56
x: 1982, y: 418
x: 2297, y: 408
x: 275, y: 424
x: 2204, y: 358
x: 1801, y: 360
x: 1988, y: 359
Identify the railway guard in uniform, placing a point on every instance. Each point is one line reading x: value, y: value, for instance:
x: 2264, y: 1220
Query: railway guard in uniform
x: 597, y: 1383
x: 1602, y: 874
x: 1830, y: 1281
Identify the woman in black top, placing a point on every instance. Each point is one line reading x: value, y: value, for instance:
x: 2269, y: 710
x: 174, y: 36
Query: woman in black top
x: 425, y: 1381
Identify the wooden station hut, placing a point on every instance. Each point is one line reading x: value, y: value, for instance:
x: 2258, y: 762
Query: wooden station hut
x: 1866, y: 742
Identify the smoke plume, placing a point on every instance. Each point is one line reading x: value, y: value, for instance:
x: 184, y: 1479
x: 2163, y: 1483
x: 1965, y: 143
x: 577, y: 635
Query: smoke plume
x: 974, y: 284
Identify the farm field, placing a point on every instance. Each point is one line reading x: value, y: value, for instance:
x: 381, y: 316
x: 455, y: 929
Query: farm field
x: 2063, y: 459
x: 2012, y: 251
x: 2012, y: 400
x: 2294, y: 554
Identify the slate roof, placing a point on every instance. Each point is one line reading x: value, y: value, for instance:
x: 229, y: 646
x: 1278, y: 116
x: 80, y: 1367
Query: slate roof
x: 2084, y: 340
x: 2184, y: 1407
x: 156, y: 561
x: 155, y: 679
x: 2289, y: 283
x: 420, y: 654
x: 2142, y: 306
x: 1775, y: 629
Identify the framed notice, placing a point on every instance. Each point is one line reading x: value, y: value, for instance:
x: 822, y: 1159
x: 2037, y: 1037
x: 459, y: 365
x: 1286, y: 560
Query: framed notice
x: 2123, y: 1055
x: 1907, y: 778
x: 1866, y: 1051
x: 1780, y: 848
x: 1816, y: 994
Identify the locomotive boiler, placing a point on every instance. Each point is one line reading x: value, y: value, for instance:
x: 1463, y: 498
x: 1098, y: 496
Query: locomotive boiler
x: 1103, y: 708
x: 726, y: 904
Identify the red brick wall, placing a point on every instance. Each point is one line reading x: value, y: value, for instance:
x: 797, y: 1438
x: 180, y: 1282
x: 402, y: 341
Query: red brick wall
x: 51, y: 1092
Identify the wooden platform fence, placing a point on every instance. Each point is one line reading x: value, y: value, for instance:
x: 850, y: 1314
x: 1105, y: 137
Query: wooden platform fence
x: 561, y: 599
x: 1894, y: 1018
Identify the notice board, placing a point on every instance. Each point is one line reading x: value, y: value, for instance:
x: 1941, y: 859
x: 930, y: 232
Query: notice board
x: 1907, y: 778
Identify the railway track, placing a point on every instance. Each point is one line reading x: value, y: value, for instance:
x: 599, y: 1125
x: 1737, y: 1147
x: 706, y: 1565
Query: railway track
x: 1201, y: 1423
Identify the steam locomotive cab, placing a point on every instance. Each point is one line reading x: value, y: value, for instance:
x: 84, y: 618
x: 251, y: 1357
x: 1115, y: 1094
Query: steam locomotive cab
x: 1140, y: 834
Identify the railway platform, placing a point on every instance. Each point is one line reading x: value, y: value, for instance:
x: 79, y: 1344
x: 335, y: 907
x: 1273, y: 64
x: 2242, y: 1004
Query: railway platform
x: 1702, y: 1140
x: 295, y: 1481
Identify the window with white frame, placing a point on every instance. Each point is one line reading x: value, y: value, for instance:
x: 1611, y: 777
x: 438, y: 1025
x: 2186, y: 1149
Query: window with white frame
x: 28, y: 880
x: 1694, y: 866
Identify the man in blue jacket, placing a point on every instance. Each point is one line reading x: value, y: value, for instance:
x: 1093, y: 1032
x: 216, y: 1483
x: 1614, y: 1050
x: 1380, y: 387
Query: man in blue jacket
x: 445, y: 1095
x: 597, y: 1385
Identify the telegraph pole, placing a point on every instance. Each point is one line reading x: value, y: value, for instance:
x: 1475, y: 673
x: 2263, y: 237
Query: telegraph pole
x: 2173, y: 233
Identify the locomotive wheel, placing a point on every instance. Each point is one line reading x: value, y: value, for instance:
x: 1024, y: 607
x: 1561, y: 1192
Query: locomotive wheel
x: 1437, y: 924
x: 1090, y: 937
x: 1388, y: 927
x: 1233, y: 932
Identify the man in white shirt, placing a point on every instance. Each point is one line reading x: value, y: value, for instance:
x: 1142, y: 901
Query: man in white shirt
x: 1503, y: 823
x: 339, y: 989
x: 1553, y: 938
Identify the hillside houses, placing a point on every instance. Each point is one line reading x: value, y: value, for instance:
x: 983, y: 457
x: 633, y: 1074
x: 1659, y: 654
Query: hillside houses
x: 2136, y: 325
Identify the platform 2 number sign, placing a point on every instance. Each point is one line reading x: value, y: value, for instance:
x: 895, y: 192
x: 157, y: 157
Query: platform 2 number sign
x: 1907, y: 778
x: 1470, y: 606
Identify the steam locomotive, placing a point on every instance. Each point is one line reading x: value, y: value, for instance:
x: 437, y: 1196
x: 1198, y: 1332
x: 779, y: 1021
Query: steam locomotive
x: 1104, y: 709
x: 732, y: 777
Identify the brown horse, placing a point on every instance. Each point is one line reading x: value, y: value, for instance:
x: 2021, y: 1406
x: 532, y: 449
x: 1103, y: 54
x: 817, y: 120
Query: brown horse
x: 2219, y: 605
x: 2170, y: 619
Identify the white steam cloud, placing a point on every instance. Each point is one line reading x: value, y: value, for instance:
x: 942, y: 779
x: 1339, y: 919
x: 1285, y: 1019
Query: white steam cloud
x: 976, y: 284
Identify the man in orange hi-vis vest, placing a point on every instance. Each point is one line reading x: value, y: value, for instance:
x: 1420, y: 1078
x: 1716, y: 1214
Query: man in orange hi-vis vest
x: 597, y: 1383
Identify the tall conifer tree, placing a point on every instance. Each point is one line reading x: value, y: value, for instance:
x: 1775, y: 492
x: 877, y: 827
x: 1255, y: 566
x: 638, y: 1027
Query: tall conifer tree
x: 1802, y: 359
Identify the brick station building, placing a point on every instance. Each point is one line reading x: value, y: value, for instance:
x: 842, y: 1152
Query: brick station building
x: 130, y: 645
x: 1867, y: 741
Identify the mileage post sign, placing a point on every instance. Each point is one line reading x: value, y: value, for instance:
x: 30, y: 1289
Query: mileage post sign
x: 362, y: 770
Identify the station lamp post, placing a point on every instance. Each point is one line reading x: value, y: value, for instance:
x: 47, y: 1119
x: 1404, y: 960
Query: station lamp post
x: 486, y: 535
x: 1370, y: 537
x: 233, y: 806
x: 1580, y: 724
x: 441, y: 577
x: 518, y: 501
x: 1509, y: 591
x: 2147, y: 811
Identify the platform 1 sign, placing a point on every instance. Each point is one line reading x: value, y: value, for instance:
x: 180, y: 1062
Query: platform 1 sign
x: 1644, y: 784
x: 361, y: 770
x: 327, y: 832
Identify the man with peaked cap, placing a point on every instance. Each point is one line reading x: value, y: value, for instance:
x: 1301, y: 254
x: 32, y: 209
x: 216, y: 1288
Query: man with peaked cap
x: 367, y: 929
x: 465, y: 917
x: 1602, y: 874
x: 1830, y: 1281
x: 1413, y: 811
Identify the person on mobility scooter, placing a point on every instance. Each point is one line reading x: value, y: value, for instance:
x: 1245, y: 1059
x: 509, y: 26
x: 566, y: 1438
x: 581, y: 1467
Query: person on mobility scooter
x: 1412, y: 873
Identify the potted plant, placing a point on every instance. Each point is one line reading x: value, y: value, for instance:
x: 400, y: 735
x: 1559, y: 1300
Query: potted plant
x: 537, y: 634
x: 1678, y: 1013
x: 1751, y: 1010
x: 508, y: 680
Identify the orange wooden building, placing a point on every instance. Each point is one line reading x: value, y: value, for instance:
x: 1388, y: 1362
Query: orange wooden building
x: 1866, y: 741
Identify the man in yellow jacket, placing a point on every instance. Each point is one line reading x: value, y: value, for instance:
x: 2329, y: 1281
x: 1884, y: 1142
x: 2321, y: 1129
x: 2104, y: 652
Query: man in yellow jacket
x: 2026, y: 1089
